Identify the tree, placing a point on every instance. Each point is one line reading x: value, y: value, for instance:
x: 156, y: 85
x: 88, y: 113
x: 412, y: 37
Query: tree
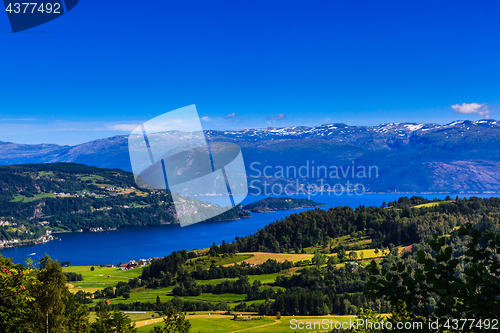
x: 115, y: 322
x: 15, y: 296
x: 319, y: 259
x: 77, y: 315
x: 341, y: 254
x: 15, y: 279
x: 353, y: 255
x: 362, y: 255
x: 108, y: 292
x: 92, y: 268
x: 475, y: 295
x: 333, y: 260
x: 39, y: 300
x: 330, y: 242
x: 51, y: 295
x: 368, y: 316
x: 175, y: 322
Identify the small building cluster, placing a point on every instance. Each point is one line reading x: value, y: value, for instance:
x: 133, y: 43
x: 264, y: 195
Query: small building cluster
x: 133, y: 264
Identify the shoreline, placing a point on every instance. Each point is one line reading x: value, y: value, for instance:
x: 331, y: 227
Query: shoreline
x: 39, y: 242
x: 28, y: 243
x: 34, y: 242
x: 155, y: 241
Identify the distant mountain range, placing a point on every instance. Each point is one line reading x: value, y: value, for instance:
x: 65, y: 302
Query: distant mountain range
x: 462, y: 156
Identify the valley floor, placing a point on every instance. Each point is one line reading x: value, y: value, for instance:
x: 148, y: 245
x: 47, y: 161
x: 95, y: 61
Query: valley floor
x: 220, y: 323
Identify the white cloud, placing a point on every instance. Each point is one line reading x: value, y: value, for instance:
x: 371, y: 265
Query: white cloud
x: 205, y: 118
x: 472, y: 108
x: 279, y: 116
x: 19, y: 119
x: 123, y: 127
x: 231, y: 115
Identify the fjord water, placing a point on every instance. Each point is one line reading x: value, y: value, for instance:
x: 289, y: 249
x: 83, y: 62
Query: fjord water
x: 125, y: 244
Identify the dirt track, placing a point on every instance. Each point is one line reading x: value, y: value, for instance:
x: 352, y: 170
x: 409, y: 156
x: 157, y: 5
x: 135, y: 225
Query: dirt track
x: 252, y: 328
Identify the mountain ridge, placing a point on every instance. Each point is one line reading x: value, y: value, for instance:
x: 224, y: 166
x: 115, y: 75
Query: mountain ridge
x: 461, y: 156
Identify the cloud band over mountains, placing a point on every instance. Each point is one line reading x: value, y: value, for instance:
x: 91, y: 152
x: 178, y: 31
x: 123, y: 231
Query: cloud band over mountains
x: 481, y: 110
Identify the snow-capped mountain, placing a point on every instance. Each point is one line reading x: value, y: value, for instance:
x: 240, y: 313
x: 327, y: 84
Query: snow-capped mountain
x: 413, y: 157
x: 342, y: 132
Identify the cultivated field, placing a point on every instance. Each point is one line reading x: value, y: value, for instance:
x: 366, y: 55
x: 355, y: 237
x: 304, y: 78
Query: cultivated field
x: 260, y: 257
x: 100, y: 278
x: 219, y: 323
x: 430, y: 204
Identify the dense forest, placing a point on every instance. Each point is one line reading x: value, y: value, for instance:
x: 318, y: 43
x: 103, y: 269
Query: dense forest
x: 323, y: 287
x: 398, y: 224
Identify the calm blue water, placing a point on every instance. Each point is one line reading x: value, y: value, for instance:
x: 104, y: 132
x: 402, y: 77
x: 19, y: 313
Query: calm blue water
x: 125, y: 244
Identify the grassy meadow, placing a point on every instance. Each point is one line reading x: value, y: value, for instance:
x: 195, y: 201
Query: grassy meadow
x: 102, y: 277
x: 219, y: 323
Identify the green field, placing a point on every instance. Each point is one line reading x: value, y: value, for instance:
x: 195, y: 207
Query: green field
x: 261, y: 257
x: 217, y: 324
x: 362, y: 242
x: 141, y: 295
x: 218, y: 297
x: 226, y: 324
x: 258, y: 301
x: 19, y: 197
x: 103, y: 277
x: 133, y: 315
x: 93, y: 178
x: 206, y: 261
x: 368, y: 254
x: 100, y: 278
x: 430, y: 204
x: 264, y: 278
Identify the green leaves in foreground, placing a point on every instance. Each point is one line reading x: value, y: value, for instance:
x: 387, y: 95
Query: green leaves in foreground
x: 475, y: 293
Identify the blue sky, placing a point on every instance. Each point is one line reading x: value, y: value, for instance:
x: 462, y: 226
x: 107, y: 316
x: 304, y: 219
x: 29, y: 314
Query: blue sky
x: 107, y: 65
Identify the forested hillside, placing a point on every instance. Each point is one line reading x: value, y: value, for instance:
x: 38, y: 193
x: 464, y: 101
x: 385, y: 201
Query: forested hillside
x: 334, y: 280
x: 398, y: 223
x: 71, y: 197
